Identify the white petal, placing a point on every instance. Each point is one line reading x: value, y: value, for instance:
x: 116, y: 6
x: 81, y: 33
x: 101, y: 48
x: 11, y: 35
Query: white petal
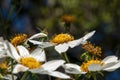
x: 73, y: 69
x: 110, y: 59
x: 89, y: 35
x: 38, y: 70
x: 114, y: 67
x: 8, y: 51
x: 74, y: 43
x: 2, y: 58
x: 62, y: 48
x: 52, y: 65
x: 35, y: 42
x: 1, y: 39
x: 39, y: 54
x: 19, y: 68
x: 5, y: 45
x: 9, y: 54
x: 94, y: 67
x: 13, y: 51
x: 1, y: 48
x: 23, y: 51
x: 109, y: 65
x: 59, y: 75
x: 38, y: 35
x: 41, y: 44
x: 45, y: 44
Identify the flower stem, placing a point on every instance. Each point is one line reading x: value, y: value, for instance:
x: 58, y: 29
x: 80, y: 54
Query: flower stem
x: 66, y: 57
x: 67, y: 27
x: 24, y: 76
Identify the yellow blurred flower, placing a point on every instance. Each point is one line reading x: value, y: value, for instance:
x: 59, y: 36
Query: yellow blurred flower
x: 68, y: 18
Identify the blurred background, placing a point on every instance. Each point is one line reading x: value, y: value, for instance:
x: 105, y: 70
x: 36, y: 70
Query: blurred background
x: 33, y: 16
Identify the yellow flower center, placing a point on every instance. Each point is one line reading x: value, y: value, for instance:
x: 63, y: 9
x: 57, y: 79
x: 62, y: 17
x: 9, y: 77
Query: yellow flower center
x: 85, y: 65
x: 30, y: 62
x: 3, y: 65
x: 18, y: 39
x: 62, y: 38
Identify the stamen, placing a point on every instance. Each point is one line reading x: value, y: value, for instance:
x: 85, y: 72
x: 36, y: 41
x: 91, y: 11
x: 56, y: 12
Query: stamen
x: 30, y: 62
x: 62, y: 38
x: 3, y: 65
x: 18, y: 39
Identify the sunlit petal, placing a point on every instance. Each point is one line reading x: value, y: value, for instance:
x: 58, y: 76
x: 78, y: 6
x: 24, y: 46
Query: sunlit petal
x: 112, y: 68
x: 13, y: 51
x: 38, y: 35
x: 109, y: 65
x: 74, y: 43
x: 35, y: 42
x: 73, y: 68
x: 19, y: 68
x: 46, y: 44
x: 23, y: 51
x: 41, y: 44
x: 52, y: 65
x: 59, y: 75
x: 39, y: 54
x: 89, y: 35
x: 61, y: 48
x: 110, y: 59
x: 38, y: 70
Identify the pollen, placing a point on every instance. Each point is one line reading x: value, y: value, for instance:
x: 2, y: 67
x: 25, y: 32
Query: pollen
x: 30, y: 62
x: 85, y: 65
x: 3, y: 65
x: 68, y: 18
x: 18, y: 39
x: 62, y: 38
x: 95, y: 50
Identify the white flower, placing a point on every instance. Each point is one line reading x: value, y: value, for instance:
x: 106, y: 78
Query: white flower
x: 64, y: 46
x: 34, y: 62
x: 63, y: 41
x: 23, y: 52
x: 109, y: 63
